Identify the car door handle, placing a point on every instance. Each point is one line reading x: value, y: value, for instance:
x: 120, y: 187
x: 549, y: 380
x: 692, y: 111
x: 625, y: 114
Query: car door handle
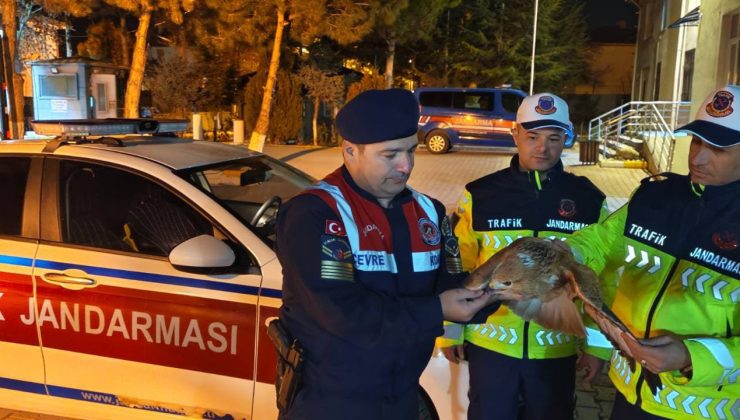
x: 69, y: 281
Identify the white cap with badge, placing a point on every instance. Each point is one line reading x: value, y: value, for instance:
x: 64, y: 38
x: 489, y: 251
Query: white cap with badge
x: 544, y: 110
x: 717, y: 121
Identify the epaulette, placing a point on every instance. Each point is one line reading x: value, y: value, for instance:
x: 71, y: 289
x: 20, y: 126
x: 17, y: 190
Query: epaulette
x: 659, y: 177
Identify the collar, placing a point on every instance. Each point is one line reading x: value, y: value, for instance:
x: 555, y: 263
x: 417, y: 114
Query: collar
x: 710, y: 192
x: 399, y: 199
x: 534, y: 177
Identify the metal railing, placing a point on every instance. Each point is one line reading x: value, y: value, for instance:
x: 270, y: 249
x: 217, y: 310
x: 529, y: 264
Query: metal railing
x: 641, y: 125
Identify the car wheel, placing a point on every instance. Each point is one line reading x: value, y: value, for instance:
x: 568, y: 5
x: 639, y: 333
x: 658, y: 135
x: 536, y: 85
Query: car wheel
x: 426, y: 406
x: 438, y: 142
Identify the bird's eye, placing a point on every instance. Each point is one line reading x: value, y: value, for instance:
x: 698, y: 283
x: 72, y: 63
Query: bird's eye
x: 507, y: 283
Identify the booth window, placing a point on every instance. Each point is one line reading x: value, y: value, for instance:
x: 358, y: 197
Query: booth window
x: 55, y: 86
x: 102, y: 97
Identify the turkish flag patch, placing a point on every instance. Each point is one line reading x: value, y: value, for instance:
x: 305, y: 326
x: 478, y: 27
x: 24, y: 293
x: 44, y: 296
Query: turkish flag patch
x: 334, y: 228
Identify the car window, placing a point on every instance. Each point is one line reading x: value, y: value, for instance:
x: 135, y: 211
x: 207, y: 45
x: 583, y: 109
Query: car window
x: 243, y: 186
x: 109, y: 208
x: 13, y: 173
x: 473, y: 101
x: 511, y: 102
x: 436, y: 99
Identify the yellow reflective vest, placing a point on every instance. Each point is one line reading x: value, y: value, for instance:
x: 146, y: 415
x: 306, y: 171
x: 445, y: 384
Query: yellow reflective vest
x: 670, y: 264
x: 493, y: 212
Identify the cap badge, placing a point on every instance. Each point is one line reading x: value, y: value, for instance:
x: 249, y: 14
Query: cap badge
x: 721, y: 104
x: 567, y: 208
x: 545, y: 105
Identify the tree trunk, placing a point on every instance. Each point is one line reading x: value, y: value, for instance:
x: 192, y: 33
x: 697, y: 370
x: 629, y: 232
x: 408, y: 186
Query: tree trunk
x: 257, y: 140
x: 315, y: 125
x: 15, y: 84
x: 68, y: 37
x: 138, y: 63
x: 389, y: 61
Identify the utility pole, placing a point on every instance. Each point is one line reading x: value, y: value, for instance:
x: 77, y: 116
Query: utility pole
x: 534, y: 45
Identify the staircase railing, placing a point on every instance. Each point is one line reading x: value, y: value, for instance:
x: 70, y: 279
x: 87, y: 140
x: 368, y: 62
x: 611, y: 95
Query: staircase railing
x: 640, y: 127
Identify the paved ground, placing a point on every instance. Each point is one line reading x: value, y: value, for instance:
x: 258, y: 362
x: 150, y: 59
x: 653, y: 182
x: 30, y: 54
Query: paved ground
x: 443, y: 177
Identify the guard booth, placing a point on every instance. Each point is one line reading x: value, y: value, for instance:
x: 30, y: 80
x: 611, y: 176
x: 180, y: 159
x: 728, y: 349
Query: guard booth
x: 77, y: 88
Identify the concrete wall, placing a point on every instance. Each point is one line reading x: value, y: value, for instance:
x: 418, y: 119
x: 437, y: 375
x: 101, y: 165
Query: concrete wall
x: 610, y: 67
x: 711, y: 51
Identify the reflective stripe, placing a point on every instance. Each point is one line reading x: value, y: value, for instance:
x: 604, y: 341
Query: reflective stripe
x: 375, y: 261
x: 381, y: 260
x: 425, y: 204
x: 508, y: 335
x: 453, y: 331
x: 345, y: 212
x: 549, y: 338
x: 703, y: 407
x: 596, y: 338
x: 425, y: 261
x: 720, y: 352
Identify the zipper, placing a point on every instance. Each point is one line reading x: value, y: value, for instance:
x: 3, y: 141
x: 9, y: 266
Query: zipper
x: 649, y: 323
x: 535, y: 233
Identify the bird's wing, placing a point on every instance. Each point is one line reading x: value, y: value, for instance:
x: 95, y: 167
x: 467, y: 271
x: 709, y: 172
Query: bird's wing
x: 559, y: 312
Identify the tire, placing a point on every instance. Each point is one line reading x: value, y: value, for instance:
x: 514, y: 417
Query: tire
x: 438, y: 142
x: 426, y: 406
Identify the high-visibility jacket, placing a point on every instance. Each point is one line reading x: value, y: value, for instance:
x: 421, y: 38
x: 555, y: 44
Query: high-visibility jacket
x: 360, y: 286
x: 670, y: 264
x: 499, y: 208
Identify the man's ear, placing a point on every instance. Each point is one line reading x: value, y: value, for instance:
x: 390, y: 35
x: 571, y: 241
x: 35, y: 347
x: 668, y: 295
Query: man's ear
x: 515, y: 132
x: 349, y: 150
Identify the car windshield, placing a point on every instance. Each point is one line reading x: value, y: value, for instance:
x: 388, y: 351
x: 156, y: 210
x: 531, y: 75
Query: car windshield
x: 252, y: 188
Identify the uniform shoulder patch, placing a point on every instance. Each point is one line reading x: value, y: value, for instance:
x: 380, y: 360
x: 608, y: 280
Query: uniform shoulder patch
x: 336, y: 258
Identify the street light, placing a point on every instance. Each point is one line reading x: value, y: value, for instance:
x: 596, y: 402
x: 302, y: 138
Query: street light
x: 534, y: 44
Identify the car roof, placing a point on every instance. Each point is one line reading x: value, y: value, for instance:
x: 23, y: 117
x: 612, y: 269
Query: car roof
x: 452, y: 89
x: 175, y: 153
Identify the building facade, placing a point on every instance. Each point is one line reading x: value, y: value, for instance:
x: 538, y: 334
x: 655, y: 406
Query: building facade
x: 685, y: 49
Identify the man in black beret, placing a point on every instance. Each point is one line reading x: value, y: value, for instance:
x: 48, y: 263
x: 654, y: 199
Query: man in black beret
x: 364, y: 260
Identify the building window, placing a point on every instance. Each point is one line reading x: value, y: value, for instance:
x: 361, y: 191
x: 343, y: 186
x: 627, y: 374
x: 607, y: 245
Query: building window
x: 51, y: 86
x: 664, y: 15
x: 102, y: 99
x: 688, y: 74
x: 656, y: 90
x: 733, y: 50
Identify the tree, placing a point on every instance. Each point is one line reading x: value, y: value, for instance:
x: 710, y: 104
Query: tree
x: 406, y: 22
x: 488, y: 43
x: 106, y: 41
x: 144, y: 9
x: 321, y: 87
x: 64, y: 9
x: 344, y: 21
x: 368, y: 82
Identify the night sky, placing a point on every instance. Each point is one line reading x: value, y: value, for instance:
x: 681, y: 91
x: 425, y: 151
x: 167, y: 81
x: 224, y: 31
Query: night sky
x: 609, y: 12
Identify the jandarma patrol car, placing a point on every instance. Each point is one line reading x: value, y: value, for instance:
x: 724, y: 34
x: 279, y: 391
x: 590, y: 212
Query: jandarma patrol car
x: 137, y: 274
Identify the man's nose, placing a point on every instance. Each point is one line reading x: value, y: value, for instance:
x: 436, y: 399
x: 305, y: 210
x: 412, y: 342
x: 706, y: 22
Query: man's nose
x: 540, y: 144
x: 700, y: 157
x: 405, y: 163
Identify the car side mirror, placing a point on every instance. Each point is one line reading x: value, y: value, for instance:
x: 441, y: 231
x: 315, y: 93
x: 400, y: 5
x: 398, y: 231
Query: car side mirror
x: 203, y: 254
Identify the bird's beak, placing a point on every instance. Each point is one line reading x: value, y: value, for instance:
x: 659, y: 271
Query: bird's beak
x: 497, y: 285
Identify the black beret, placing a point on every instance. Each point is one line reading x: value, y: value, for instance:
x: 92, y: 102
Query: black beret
x: 374, y: 116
